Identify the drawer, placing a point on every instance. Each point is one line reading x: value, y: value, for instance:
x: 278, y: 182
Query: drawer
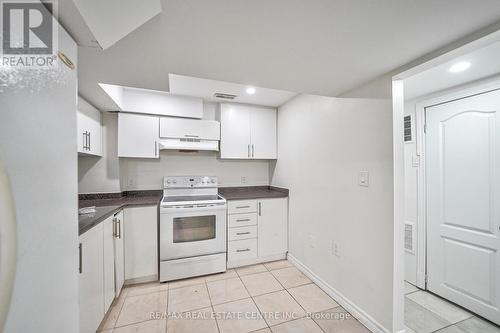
x: 242, y: 206
x: 241, y: 220
x: 242, y: 233
x: 242, y: 249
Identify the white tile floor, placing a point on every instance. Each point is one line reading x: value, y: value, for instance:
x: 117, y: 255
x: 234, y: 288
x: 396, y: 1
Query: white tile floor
x: 271, y: 297
x: 426, y: 313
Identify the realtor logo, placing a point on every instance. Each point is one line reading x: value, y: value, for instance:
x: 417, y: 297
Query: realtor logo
x: 27, y: 33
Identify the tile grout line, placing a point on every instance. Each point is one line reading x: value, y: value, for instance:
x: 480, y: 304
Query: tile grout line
x: 251, y: 297
x: 212, y: 306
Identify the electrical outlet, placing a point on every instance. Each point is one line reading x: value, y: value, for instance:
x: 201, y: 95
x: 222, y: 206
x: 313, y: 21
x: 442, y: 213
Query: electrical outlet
x: 364, y: 178
x: 243, y: 179
x: 312, y: 241
x: 335, y: 249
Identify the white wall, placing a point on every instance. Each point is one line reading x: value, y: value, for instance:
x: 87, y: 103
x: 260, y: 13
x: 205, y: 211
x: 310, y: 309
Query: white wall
x: 411, y: 203
x: 102, y: 174
x: 147, y: 174
x: 38, y: 149
x: 323, y: 144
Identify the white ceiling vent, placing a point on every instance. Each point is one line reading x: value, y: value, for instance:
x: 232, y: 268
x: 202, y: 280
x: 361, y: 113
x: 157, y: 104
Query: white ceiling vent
x: 224, y: 96
x: 410, y: 237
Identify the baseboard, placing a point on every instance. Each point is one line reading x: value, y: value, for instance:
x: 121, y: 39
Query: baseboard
x: 144, y: 279
x: 259, y: 260
x: 343, y: 301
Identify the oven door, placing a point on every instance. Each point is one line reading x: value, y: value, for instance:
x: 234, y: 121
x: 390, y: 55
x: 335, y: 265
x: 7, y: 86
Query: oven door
x: 192, y: 231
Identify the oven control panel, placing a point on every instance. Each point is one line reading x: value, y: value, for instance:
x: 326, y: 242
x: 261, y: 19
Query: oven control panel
x: 190, y: 182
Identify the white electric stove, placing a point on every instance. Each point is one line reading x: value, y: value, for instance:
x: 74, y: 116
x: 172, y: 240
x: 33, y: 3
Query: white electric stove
x: 192, y: 228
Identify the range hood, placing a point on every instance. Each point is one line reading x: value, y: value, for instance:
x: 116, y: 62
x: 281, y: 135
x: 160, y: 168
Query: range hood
x: 189, y: 134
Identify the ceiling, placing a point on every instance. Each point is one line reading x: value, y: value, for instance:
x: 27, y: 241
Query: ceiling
x: 323, y: 47
x: 483, y: 63
x: 192, y: 86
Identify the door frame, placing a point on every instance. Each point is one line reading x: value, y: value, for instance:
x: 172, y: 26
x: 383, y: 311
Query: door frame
x: 461, y: 92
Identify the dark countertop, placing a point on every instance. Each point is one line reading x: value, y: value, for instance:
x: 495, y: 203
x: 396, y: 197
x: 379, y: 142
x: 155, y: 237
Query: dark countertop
x: 108, y: 204
x: 252, y: 192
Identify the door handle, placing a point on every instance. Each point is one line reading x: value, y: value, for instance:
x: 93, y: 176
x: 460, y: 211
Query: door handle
x: 253, y: 151
x: 240, y: 207
x: 260, y: 209
x: 156, y: 149
x: 243, y: 250
x: 114, y: 227
x: 89, y: 142
x: 80, y: 256
x: 248, y: 150
x: 119, y: 229
x: 243, y: 233
x: 243, y: 220
x: 84, y: 143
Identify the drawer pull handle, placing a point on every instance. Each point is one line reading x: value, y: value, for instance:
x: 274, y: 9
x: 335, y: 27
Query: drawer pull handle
x: 243, y: 250
x: 240, y: 207
x: 243, y: 220
x: 243, y: 233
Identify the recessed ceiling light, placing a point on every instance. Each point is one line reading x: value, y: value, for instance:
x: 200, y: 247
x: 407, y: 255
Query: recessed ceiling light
x: 250, y: 90
x: 459, y: 66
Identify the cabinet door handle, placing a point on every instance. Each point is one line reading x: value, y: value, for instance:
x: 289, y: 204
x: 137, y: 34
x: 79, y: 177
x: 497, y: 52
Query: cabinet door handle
x: 239, y: 207
x: 156, y: 149
x: 80, y: 256
x: 260, y: 209
x: 243, y: 220
x: 114, y: 227
x: 243, y: 233
x: 243, y: 250
x: 191, y: 136
x: 248, y: 150
x: 253, y: 151
x: 119, y: 229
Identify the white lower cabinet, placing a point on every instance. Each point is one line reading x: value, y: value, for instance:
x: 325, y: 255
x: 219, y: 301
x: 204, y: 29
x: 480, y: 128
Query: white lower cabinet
x: 119, y: 254
x: 257, y: 231
x: 272, y: 226
x: 109, y: 262
x: 141, y: 243
x: 91, y: 287
x: 101, y: 271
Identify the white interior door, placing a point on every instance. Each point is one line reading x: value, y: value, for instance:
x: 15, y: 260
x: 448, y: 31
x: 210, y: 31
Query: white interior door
x: 463, y: 202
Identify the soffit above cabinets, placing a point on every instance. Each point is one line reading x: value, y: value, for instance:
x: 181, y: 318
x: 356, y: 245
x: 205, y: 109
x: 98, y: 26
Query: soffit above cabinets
x: 111, y: 20
x: 206, y: 89
x: 137, y: 100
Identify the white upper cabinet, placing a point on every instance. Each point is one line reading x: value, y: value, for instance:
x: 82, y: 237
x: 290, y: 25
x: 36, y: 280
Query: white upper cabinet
x: 263, y: 133
x: 234, y: 131
x: 138, y: 135
x: 247, y: 132
x: 189, y: 128
x: 89, y: 129
x: 129, y: 99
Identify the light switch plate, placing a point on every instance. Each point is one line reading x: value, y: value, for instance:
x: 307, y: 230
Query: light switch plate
x: 364, y: 178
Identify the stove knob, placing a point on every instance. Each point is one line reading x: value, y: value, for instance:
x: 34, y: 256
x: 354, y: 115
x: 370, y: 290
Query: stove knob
x: 174, y: 181
x: 213, y: 180
x: 168, y: 181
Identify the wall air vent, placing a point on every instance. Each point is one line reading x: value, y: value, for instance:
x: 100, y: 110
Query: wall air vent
x: 224, y: 96
x: 409, y: 237
x: 407, y: 128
